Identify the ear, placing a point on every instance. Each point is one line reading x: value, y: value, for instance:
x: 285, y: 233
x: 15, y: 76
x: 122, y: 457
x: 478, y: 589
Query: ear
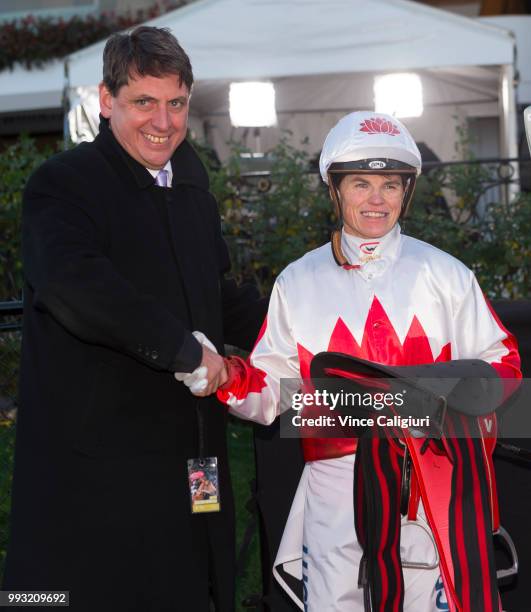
x: 106, y: 101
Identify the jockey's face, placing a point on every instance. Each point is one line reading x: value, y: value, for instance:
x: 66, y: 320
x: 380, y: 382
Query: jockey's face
x: 370, y: 203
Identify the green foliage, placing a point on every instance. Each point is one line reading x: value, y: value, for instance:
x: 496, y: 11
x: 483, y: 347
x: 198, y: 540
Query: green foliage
x: 242, y: 468
x: 494, y: 240
x: 33, y: 41
x: 9, y: 367
x: 17, y: 162
x: 7, y: 442
x: 270, y: 221
x: 496, y: 244
x: 503, y: 263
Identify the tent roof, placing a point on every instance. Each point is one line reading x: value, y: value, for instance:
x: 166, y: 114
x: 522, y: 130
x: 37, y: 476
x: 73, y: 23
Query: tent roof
x: 282, y: 39
x: 250, y: 39
x: 31, y: 89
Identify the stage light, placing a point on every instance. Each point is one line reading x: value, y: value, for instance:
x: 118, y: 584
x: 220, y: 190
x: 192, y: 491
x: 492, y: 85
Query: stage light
x: 252, y: 104
x: 398, y: 94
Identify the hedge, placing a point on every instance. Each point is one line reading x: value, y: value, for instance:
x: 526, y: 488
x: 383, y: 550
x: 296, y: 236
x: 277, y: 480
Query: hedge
x: 270, y: 221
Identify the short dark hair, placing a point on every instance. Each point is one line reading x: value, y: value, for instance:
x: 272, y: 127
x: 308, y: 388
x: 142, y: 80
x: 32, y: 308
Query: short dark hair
x: 147, y: 51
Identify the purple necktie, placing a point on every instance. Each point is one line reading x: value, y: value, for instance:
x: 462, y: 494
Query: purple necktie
x: 162, y: 178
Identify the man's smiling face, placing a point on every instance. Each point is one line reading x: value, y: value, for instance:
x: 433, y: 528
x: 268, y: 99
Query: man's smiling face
x: 148, y: 117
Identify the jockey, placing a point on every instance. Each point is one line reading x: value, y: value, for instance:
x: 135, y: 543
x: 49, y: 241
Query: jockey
x: 376, y: 294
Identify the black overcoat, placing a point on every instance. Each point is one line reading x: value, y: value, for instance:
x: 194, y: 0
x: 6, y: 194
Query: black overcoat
x: 118, y: 273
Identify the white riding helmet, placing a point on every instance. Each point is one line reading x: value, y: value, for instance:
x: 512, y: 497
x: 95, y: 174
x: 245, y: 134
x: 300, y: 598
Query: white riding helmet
x: 365, y: 142
x: 365, y: 137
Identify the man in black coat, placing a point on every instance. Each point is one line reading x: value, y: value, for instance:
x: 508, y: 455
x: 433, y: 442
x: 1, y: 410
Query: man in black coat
x: 119, y: 270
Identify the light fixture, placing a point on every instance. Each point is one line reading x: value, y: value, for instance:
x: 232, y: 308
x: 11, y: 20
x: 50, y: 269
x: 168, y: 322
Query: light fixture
x: 252, y: 104
x: 398, y: 94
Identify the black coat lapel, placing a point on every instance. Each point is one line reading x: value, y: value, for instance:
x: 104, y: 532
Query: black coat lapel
x: 184, y: 214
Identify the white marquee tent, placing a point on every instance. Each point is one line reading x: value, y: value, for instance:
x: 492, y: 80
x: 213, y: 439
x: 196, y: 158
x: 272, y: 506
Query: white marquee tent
x: 322, y: 56
x: 27, y: 90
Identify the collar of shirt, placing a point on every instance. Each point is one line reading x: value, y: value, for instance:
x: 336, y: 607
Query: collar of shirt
x: 372, y: 255
x: 166, y: 167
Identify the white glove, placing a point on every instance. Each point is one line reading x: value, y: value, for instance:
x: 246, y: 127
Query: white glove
x: 197, y: 381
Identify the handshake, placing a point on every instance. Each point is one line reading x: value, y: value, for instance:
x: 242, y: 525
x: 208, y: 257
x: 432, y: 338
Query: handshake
x: 211, y: 373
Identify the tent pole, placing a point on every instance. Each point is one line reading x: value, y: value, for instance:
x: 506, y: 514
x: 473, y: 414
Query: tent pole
x: 508, y: 127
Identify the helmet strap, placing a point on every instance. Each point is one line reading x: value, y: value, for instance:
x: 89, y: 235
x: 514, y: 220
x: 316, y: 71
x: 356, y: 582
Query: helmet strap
x: 337, y: 251
x: 408, y: 196
x: 334, y: 196
x: 335, y: 239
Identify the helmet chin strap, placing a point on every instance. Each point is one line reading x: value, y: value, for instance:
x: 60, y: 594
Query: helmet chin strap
x: 335, y: 238
x: 408, y: 196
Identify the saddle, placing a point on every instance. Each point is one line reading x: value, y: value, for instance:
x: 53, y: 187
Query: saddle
x: 446, y: 462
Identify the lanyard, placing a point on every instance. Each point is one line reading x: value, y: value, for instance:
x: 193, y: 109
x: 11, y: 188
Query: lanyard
x: 200, y: 429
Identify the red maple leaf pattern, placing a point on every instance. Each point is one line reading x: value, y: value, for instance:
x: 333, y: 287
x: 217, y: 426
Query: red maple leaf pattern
x: 379, y: 343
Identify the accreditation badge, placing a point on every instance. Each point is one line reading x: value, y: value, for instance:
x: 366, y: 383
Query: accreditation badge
x: 203, y: 482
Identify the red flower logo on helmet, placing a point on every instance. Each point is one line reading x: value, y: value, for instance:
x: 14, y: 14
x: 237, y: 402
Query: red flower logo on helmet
x: 379, y: 125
